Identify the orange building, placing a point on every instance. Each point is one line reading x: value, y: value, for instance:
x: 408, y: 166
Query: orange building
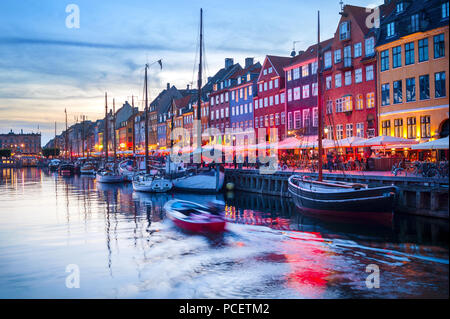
x: 412, y: 70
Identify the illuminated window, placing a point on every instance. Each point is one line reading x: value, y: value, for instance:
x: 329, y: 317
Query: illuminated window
x: 411, y: 127
x: 386, y: 127
x: 359, y: 102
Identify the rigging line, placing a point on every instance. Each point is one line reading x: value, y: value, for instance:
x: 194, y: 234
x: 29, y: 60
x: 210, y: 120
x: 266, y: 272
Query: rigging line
x: 336, y: 146
x: 196, y: 53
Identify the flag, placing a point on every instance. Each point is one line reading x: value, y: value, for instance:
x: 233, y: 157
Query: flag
x: 160, y: 63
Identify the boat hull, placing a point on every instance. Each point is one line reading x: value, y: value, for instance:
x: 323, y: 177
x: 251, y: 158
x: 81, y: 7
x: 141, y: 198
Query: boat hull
x: 369, y: 203
x: 215, y: 227
x: 155, y: 186
x: 109, y: 178
x: 87, y: 171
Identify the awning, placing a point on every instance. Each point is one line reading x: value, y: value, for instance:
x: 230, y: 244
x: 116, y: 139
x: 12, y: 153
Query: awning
x: 440, y: 144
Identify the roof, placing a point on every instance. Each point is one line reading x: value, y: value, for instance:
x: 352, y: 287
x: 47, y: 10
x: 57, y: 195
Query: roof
x: 311, y: 52
x: 278, y: 62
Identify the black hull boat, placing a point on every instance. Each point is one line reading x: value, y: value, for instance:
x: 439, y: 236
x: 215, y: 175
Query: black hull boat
x: 346, y: 201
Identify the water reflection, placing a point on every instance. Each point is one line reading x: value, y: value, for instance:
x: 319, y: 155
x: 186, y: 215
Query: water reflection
x: 125, y: 247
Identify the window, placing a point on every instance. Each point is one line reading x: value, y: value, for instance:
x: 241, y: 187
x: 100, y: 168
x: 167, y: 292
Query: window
x: 396, y: 56
x: 370, y: 46
x: 329, y: 106
x: 212, y: 116
x: 385, y: 94
x: 296, y: 73
x: 347, y: 56
x: 290, y: 121
x: 289, y: 94
x: 337, y: 56
x: 266, y: 102
x: 424, y: 87
x: 385, y: 60
x: 439, y: 46
x: 277, y: 119
x: 315, y: 117
x: 360, y: 129
x: 270, y: 70
x: 270, y: 85
x: 439, y: 84
x: 444, y: 10
x: 358, y: 76
x: 398, y: 127
x: 250, y: 107
x: 330, y: 132
x: 348, y: 78
x: 261, y: 121
x: 275, y: 83
x: 328, y: 82
x: 297, y: 93
x: 344, y: 30
x: 400, y: 7
x: 271, y: 120
x: 409, y: 53
x: 338, y: 80
x: 358, y: 49
x: 339, y: 132
x: 297, y: 119
x: 369, y: 73
x: 250, y: 90
x: 348, y: 130
x: 411, y: 127
x: 390, y: 29
x: 339, y: 105
x: 328, y: 62
x: 386, y: 127
x: 314, y: 89
x: 265, y: 71
x: 256, y: 122
x: 256, y: 104
x: 306, y: 118
x: 415, y: 22
x: 305, y: 70
x: 260, y: 87
x: 314, y: 68
x: 265, y: 86
x: 359, y: 102
x: 423, y: 50
x: 425, y: 129
x: 221, y: 114
x: 398, y: 92
x: 348, y: 103
x: 305, y: 91
x: 233, y: 111
x: 227, y: 112
x: 289, y: 75
x: 266, y: 121
x: 282, y: 98
x: 277, y: 99
x: 221, y: 98
x: 283, y: 118
x: 271, y: 100
x: 410, y: 89
x: 212, y: 101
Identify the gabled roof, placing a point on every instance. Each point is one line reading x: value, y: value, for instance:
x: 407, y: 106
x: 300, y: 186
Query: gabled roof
x: 310, y: 53
x: 278, y: 62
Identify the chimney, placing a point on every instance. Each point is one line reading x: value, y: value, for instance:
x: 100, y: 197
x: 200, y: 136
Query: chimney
x: 248, y: 62
x: 168, y: 85
x: 187, y: 87
x: 228, y: 62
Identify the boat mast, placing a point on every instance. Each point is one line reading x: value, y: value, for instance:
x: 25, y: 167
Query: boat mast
x: 146, y: 121
x: 105, y: 137
x: 55, y: 144
x: 199, y: 83
x: 114, y: 128
x: 319, y: 103
x: 66, y: 136
x: 134, y: 135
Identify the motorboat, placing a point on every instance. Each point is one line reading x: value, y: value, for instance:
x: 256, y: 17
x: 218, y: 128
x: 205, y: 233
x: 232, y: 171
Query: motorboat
x: 193, y: 217
x: 105, y: 175
x: 66, y: 169
x: 88, y: 169
x: 54, y: 164
x: 126, y: 169
x: 151, y: 183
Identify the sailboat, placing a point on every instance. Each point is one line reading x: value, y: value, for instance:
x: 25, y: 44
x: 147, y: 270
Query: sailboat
x: 202, y: 180
x: 108, y: 174
x: 146, y: 182
x: 336, y: 198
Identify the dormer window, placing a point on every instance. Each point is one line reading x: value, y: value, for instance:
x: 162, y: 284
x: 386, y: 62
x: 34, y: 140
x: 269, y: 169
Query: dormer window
x: 415, y: 22
x: 248, y: 77
x: 265, y: 72
x: 270, y: 70
x: 400, y: 7
x: 390, y: 29
x: 344, y: 30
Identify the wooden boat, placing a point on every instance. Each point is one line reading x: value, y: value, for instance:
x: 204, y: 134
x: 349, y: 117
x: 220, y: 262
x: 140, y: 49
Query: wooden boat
x: 194, y: 217
x: 126, y: 169
x: 151, y: 183
x: 66, y: 169
x: 109, y: 176
x: 336, y: 198
x: 202, y: 181
x: 329, y: 197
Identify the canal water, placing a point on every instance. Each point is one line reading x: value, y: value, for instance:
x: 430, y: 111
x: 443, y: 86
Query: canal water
x: 121, y: 245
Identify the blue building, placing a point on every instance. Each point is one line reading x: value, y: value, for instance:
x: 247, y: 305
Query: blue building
x: 241, y: 99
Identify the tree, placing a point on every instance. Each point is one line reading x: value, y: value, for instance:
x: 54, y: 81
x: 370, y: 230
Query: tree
x: 50, y: 152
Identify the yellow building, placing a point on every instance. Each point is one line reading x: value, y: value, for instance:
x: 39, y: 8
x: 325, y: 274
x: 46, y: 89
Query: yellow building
x: 413, y: 71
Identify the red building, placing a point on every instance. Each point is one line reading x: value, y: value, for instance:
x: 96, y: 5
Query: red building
x: 349, y: 78
x: 269, y: 103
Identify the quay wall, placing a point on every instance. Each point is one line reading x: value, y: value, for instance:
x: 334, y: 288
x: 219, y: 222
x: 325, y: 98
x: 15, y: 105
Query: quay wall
x: 418, y: 196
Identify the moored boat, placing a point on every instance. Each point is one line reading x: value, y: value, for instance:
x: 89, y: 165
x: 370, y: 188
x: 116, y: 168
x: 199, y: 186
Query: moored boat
x: 151, y: 183
x: 109, y: 176
x: 126, y: 169
x: 66, y: 169
x: 54, y: 164
x: 203, y: 181
x: 194, y: 217
x: 88, y: 169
